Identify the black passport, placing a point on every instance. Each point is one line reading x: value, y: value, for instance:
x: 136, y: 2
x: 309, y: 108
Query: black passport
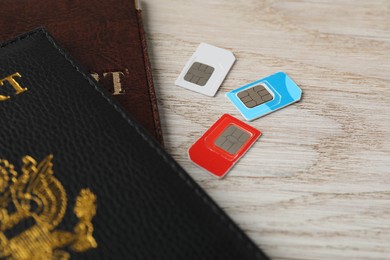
x: 80, y: 179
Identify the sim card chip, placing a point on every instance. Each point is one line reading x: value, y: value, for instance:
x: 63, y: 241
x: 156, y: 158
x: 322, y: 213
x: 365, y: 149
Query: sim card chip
x: 255, y: 96
x: 199, y: 74
x: 232, y: 139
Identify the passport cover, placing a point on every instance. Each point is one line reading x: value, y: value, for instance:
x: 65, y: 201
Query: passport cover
x: 79, y: 178
x: 106, y: 36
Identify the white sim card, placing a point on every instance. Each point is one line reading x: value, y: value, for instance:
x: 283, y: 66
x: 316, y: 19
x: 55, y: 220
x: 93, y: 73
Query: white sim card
x: 206, y: 69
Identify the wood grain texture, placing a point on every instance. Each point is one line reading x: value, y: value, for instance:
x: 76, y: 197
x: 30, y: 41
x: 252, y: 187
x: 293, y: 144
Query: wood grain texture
x: 317, y: 183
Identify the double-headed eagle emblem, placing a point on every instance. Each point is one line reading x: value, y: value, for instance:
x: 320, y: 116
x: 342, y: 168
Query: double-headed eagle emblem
x: 37, y: 197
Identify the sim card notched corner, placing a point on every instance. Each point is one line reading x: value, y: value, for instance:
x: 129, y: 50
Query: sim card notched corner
x: 206, y: 69
x: 222, y: 145
x: 264, y: 96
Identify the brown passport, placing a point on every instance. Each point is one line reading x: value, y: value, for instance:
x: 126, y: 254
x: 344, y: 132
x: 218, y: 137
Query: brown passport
x: 105, y: 36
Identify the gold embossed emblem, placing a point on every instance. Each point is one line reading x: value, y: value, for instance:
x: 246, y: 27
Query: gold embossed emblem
x: 38, y: 200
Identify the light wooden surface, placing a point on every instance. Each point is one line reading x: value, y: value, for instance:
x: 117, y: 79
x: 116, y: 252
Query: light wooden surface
x: 317, y: 183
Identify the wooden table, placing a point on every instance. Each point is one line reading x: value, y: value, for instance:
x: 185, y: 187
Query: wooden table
x: 317, y: 183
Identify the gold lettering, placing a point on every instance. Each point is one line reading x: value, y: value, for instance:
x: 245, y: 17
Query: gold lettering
x: 116, y: 80
x: 12, y: 81
x: 95, y: 76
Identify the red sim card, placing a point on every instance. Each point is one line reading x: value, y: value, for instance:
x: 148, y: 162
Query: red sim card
x: 222, y: 145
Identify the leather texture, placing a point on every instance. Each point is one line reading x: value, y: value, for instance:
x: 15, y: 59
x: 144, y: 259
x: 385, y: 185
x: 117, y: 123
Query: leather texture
x: 105, y: 36
x: 147, y: 205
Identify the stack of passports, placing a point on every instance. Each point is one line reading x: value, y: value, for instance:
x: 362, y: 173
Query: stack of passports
x: 106, y: 36
x: 80, y: 179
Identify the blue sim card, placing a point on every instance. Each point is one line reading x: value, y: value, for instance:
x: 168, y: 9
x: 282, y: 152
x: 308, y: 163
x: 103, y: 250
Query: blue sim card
x: 264, y: 96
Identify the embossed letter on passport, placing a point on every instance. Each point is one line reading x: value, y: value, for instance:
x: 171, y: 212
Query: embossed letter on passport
x: 76, y: 180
